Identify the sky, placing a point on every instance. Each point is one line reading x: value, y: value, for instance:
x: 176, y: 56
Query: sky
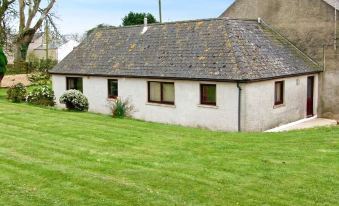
x: 78, y: 16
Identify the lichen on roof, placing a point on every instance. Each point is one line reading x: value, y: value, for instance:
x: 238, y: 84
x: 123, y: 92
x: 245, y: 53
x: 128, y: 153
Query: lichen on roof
x: 211, y: 49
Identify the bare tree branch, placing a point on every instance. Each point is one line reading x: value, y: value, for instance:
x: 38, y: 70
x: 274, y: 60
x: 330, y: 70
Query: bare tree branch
x: 44, y: 14
x: 6, y: 13
x: 22, y: 7
x: 34, y: 8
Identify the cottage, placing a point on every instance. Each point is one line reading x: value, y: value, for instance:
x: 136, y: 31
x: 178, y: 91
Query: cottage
x: 221, y: 74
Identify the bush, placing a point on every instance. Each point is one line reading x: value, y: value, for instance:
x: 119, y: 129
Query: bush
x: 74, y: 100
x: 39, y: 78
x: 17, y: 93
x: 42, y: 95
x: 121, y: 108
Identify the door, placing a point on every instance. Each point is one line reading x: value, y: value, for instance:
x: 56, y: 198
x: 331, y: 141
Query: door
x: 310, y: 96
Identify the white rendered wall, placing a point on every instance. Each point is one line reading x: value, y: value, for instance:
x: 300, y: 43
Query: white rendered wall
x: 259, y: 112
x: 186, y: 110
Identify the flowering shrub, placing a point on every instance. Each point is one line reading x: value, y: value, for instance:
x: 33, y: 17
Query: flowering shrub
x: 17, y: 93
x: 121, y: 108
x: 41, y: 95
x: 74, y: 100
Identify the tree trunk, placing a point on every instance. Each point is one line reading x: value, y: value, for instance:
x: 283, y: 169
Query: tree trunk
x: 20, y: 51
x: 21, y: 46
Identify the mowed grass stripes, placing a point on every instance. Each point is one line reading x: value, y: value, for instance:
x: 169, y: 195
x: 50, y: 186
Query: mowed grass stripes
x: 53, y: 157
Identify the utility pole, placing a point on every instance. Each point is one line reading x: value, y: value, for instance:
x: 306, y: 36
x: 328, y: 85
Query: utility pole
x: 160, y: 12
x: 46, y: 38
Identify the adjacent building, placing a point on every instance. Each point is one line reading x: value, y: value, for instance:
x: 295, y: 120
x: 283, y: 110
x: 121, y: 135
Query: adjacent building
x: 57, y: 49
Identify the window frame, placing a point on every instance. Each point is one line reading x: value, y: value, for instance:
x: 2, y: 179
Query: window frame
x: 282, y: 93
x: 202, y: 102
x: 161, y: 93
x: 82, y: 83
x: 109, y: 96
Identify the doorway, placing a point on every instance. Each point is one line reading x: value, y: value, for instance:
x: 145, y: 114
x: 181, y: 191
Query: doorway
x: 310, y: 96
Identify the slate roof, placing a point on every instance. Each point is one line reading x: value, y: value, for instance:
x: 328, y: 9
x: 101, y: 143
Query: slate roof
x: 210, y: 49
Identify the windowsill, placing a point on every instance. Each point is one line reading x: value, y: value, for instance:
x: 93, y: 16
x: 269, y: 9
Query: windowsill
x: 110, y: 99
x: 160, y: 105
x: 208, y: 106
x: 278, y: 106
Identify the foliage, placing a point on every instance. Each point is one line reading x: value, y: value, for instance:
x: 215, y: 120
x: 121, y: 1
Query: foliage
x: 17, y: 93
x: 74, y: 100
x: 39, y: 78
x: 121, y: 108
x: 138, y: 19
x: 40, y: 67
x: 41, y: 95
x: 3, y: 62
x: 100, y: 26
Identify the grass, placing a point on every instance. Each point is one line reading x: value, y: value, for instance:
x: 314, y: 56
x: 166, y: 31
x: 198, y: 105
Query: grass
x: 52, y: 157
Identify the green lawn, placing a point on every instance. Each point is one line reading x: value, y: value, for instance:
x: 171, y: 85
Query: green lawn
x: 52, y: 157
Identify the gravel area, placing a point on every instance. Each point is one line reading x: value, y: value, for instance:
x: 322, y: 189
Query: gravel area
x: 10, y: 80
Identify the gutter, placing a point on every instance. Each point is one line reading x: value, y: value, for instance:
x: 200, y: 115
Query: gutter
x: 239, y: 106
x: 183, y: 78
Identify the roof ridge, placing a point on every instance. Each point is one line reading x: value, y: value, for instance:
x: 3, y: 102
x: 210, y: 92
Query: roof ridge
x: 176, y: 22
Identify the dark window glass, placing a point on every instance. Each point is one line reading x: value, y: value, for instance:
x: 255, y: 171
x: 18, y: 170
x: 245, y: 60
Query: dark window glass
x: 208, y: 94
x: 112, y: 88
x: 161, y: 92
x: 74, y: 83
x: 279, y: 93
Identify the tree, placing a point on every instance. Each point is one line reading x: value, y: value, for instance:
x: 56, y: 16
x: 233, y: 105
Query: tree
x: 29, y: 11
x: 137, y: 19
x: 6, y: 13
x: 100, y: 26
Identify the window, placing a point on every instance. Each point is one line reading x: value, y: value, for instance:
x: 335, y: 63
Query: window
x: 161, y: 92
x: 74, y: 83
x: 208, y: 94
x: 112, y: 88
x: 279, y: 93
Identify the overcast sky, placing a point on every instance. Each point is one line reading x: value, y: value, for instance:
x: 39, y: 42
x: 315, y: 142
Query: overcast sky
x: 78, y: 16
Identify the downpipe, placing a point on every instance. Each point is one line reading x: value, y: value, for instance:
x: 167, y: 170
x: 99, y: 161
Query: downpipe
x: 239, y: 106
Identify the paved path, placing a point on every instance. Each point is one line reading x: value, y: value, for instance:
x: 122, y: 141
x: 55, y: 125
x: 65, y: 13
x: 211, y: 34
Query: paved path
x: 305, y: 124
x: 10, y: 80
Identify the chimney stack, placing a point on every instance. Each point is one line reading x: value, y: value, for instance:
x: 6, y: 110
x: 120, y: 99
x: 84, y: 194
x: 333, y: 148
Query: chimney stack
x: 145, y: 22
